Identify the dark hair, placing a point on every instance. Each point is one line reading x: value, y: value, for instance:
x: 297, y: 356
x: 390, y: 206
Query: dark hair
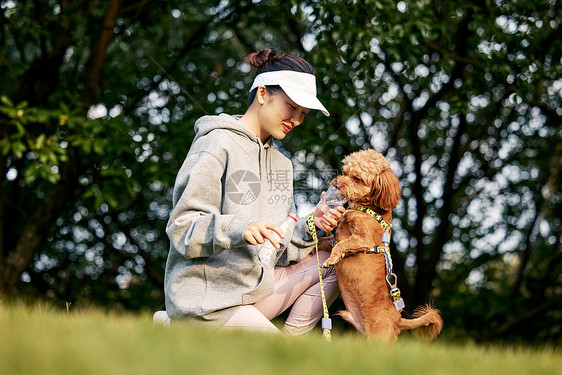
x: 267, y: 60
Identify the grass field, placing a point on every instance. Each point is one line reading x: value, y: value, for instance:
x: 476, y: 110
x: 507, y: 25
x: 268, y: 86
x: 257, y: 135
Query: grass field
x: 42, y: 340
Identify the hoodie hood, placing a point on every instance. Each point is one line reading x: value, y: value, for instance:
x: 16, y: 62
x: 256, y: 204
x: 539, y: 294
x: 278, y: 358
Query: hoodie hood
x: 206, y: 124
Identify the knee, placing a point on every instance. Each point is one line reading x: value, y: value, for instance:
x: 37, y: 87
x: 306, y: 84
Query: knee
x: 327, y: 273
x: 330, y: 274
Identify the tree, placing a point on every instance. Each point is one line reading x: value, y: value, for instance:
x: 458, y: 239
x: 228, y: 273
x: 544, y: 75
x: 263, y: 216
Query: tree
x: 464, y: 98
x: 98, y: 102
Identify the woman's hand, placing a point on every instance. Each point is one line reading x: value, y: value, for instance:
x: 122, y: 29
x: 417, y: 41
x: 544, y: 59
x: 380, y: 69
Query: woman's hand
x: 328, y: 223
x: 258, y: 231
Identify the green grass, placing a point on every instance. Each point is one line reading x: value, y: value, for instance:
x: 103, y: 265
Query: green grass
x: 42, y: 340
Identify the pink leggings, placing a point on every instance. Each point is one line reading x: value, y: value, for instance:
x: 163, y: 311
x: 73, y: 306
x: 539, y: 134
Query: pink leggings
x: 297, y: 285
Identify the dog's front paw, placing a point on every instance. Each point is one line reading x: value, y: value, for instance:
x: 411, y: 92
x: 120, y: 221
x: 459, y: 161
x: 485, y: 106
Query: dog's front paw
x: 331, y: 261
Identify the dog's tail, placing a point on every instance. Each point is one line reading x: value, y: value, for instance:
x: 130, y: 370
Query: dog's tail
x: 425, y: 317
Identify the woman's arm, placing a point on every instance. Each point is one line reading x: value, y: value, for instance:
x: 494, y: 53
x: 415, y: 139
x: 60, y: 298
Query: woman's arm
x: 196, y: 227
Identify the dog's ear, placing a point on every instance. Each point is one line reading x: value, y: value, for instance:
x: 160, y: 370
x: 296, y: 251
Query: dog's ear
x: 386, y: 190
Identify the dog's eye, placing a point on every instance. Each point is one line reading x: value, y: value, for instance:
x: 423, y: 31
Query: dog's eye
x: 357, y: 179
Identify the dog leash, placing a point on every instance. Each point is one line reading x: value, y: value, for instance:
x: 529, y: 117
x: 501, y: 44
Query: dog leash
x: 397, y: 300
x: 326, y: 321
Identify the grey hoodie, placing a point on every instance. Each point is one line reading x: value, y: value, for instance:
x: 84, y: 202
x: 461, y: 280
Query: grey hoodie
x: 228, y: 179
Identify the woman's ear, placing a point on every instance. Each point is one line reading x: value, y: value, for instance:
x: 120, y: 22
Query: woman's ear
x: 386, y: 190
x: 260, y: 94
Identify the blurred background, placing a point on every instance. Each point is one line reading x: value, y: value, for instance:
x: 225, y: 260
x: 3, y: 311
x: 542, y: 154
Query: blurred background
x: 99, y: 98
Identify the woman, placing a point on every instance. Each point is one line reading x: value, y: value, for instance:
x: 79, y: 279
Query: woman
x: 231, y: 193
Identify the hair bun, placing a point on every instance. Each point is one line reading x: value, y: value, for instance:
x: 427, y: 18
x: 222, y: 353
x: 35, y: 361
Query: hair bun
x: 260, y: 58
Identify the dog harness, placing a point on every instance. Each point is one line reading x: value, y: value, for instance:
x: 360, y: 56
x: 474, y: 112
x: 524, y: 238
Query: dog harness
x: 385, y: 249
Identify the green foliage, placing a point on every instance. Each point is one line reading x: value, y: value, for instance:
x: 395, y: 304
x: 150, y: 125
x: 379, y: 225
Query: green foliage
x: 26, y: 132
x: 462, y: 97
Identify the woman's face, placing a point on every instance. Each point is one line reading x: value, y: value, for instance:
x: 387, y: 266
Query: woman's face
x: 279, y: 114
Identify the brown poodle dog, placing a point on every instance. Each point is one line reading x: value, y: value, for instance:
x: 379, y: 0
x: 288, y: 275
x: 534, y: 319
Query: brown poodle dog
x: 367, y: 181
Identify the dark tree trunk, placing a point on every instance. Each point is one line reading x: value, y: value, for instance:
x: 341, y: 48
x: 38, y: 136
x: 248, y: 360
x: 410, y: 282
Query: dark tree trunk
x: 37, y: 229
x: 99, y: 51
x: 42, y: 77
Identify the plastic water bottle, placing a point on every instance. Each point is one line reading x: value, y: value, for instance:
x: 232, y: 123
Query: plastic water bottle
x: 331, y: 200
x: 267, y: 253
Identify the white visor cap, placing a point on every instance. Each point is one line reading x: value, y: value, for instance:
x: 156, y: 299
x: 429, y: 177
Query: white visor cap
x: 299, y: 86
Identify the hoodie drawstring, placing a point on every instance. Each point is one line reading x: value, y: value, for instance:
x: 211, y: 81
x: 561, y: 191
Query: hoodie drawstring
x: 268, y: 165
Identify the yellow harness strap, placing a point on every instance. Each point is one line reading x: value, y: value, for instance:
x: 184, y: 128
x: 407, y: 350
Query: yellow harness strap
x: 386, y: 226
x: 326, y: 321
